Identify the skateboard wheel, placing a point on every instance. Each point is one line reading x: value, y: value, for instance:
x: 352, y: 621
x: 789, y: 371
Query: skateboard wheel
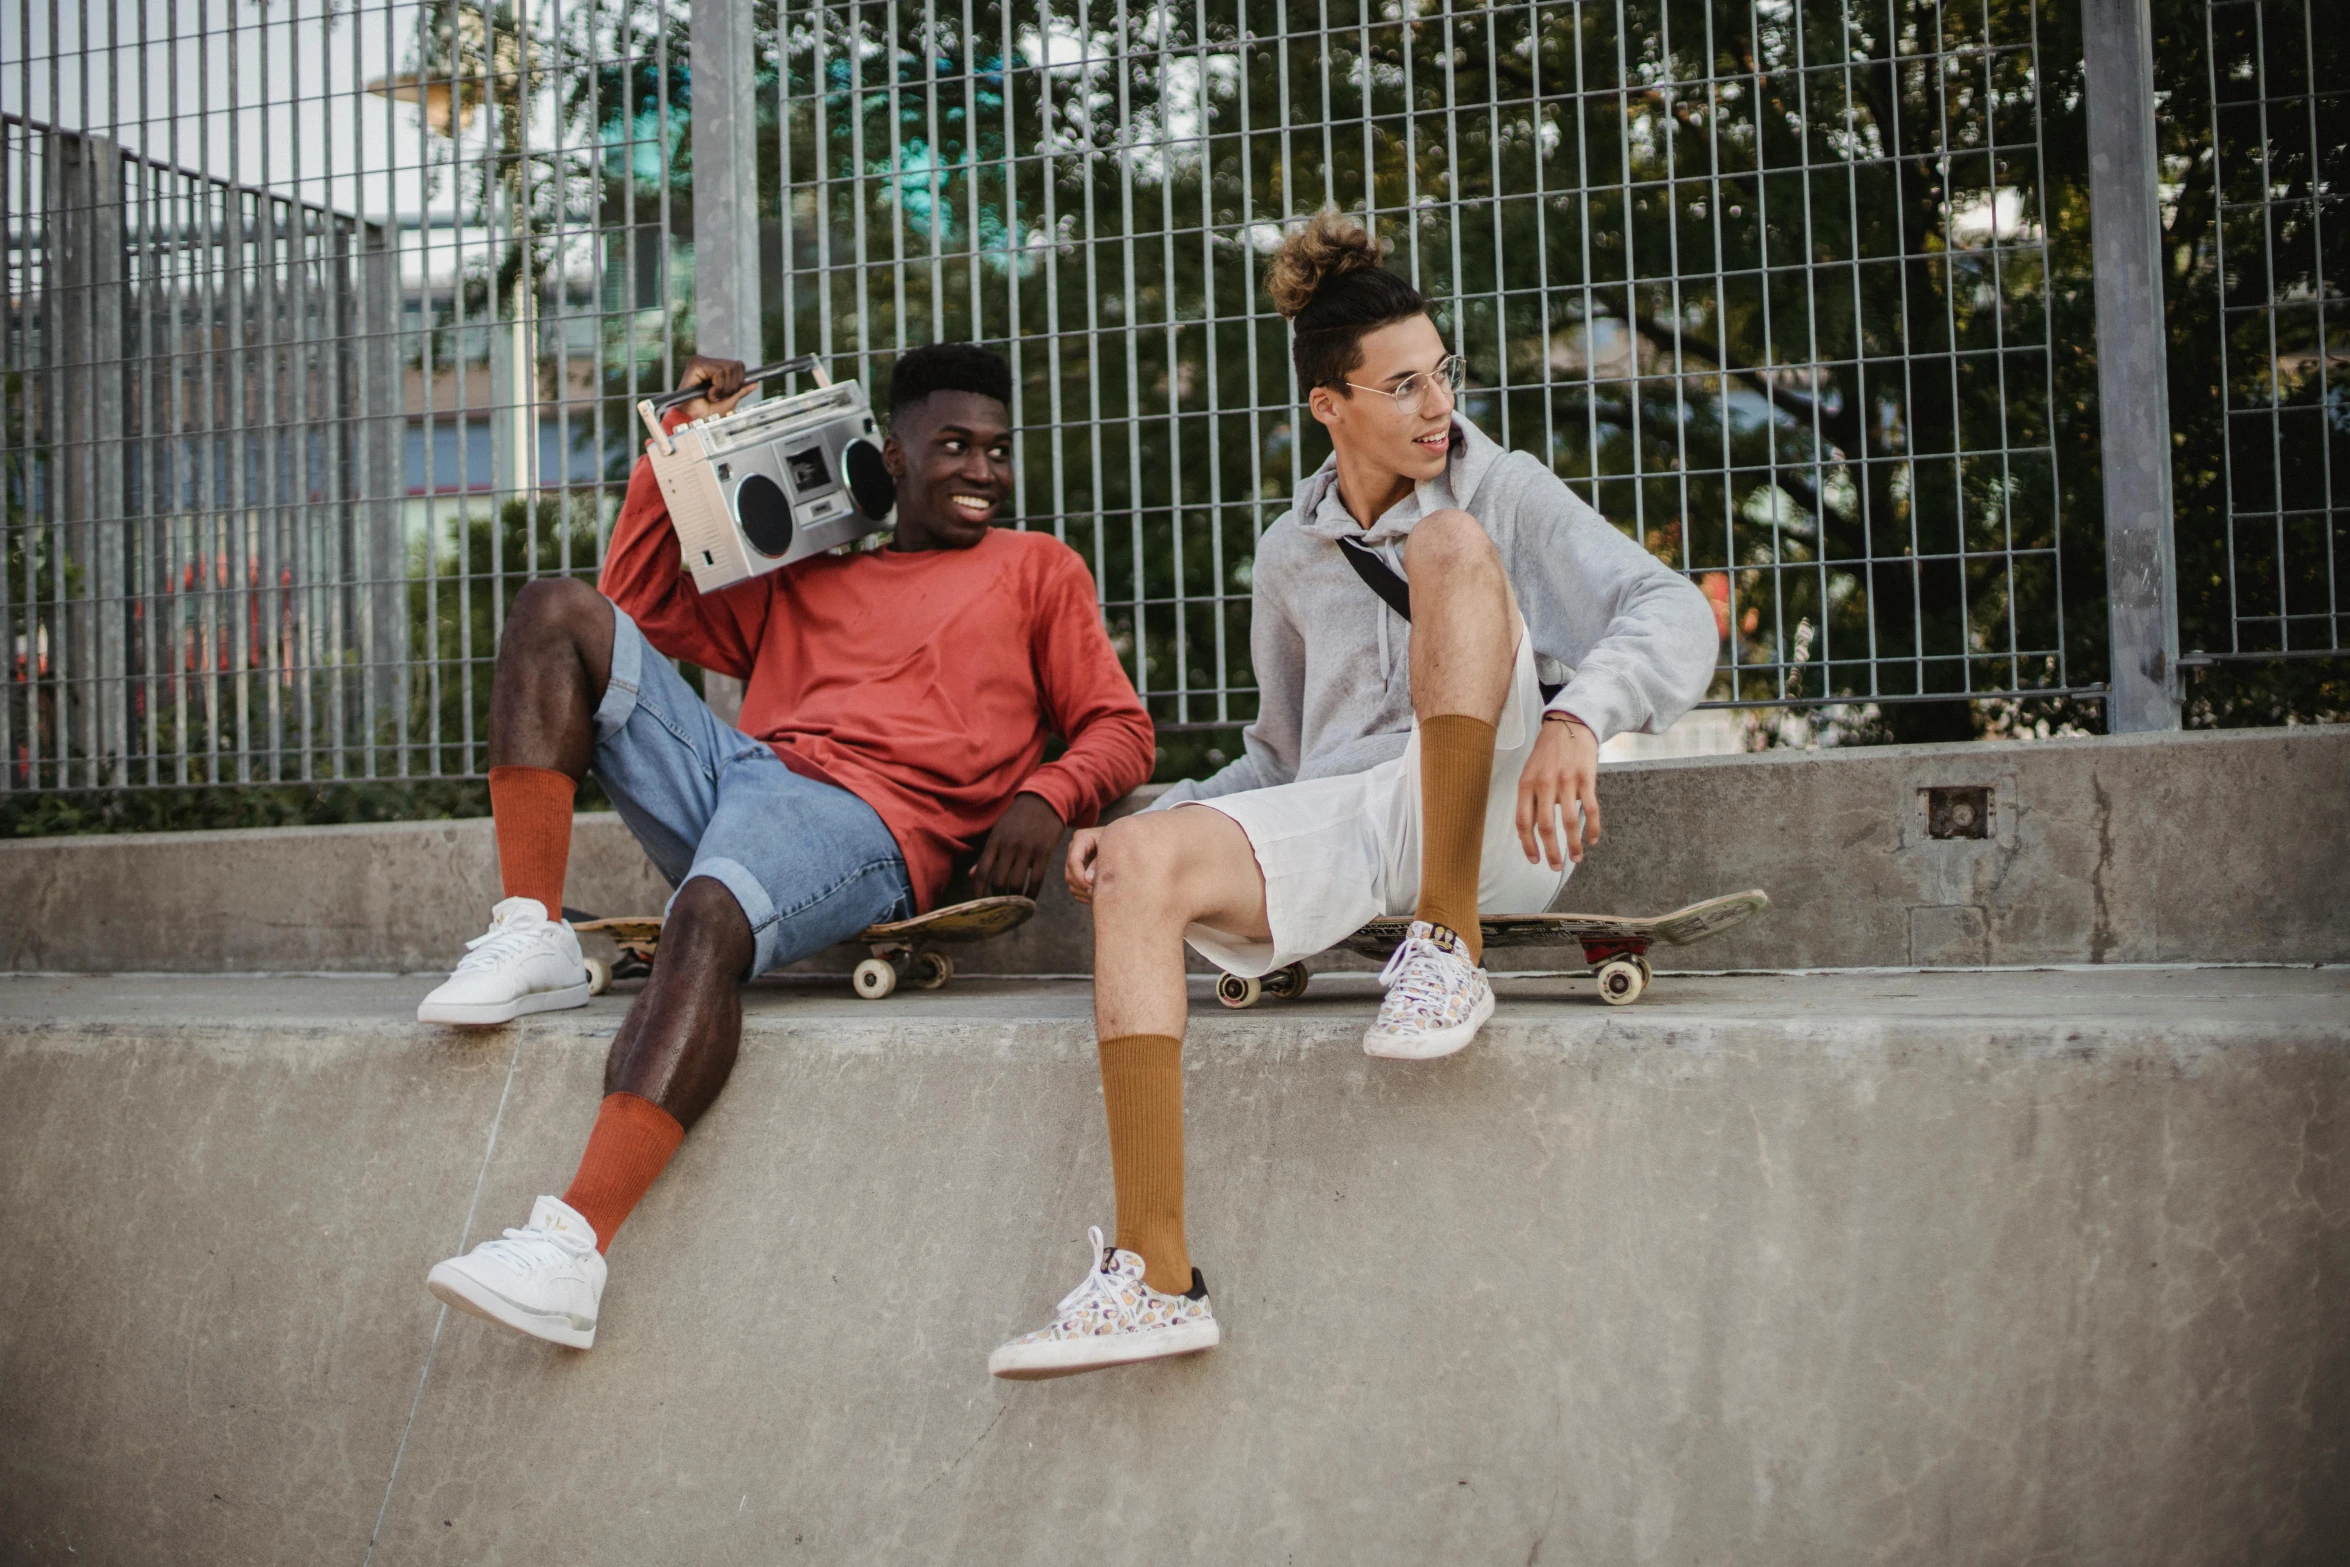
x: 1647, y: 974
x: 1235, y: 991
x: 1286, y: 984
x: 932, y: 969
x: 599, y: 976
x: 1620, y: 981
x: 875, y: 978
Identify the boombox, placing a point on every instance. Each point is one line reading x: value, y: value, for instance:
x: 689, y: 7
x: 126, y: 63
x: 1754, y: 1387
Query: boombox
x: 772, y: 483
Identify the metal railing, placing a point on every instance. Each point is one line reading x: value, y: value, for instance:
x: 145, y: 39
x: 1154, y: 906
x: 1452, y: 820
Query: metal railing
x: 324, y: 319
x: 202, y: 572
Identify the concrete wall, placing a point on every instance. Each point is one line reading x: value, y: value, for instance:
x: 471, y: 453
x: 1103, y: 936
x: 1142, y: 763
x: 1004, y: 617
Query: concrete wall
x: 2229, y: 846
x: 1788, y: 1272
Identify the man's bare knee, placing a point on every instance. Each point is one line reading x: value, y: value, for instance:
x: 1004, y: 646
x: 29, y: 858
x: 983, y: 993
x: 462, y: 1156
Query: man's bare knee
x: 1177, y: 867
x: 1448, y: 541
x: 1135, y: 858
x: 560, y: 606
x: 556, y: 625
x: 1140, y: 864
x: 707, y: 926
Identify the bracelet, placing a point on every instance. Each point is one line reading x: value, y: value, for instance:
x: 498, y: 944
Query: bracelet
x: 1560, y: 715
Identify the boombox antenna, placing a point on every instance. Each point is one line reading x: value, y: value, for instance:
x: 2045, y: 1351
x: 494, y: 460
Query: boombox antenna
x: 650, y: 409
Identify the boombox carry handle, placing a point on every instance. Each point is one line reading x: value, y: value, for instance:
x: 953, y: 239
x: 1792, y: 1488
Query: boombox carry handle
x: 650, y: 409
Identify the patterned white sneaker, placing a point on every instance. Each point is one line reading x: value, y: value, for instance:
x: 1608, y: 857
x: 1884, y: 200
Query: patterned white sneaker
x: 546, y: 1278
x: 525, y: 962
x: 1436, y: 998
x: 1111, y: 1319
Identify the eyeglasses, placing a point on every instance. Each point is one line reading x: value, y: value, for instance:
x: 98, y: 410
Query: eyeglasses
x: 1411, y: 393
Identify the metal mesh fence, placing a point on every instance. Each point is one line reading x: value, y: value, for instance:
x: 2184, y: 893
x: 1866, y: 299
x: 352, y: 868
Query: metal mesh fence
x: 2279, y: 83
x: 324, y: 320
x: 322, y: 325
x: 1768, y: 284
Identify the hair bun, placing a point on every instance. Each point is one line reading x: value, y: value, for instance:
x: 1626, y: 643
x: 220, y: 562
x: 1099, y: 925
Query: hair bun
x: 1329, y: 246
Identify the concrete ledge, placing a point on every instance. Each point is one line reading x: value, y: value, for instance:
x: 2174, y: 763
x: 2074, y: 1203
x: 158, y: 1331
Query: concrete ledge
x: 2215, y: 847
x: 1929, y: 1268
x: 2211, y: 847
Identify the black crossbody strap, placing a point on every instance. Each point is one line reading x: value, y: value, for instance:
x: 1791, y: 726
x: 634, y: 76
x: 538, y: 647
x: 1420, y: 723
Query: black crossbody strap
x: 1382, y: 579
x: 1379, y: 577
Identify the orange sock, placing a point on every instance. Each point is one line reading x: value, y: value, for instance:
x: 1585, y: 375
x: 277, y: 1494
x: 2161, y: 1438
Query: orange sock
x: 531, y: 809
x: 1142, y: 1087
x: 1456, y: 771
x: 627, y: 1150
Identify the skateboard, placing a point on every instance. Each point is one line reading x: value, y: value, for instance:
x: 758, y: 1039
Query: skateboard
x: 902, y: 949
x: 1616, y: 946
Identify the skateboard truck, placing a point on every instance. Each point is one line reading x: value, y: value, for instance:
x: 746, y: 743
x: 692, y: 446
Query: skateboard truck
x: 1283, y: 984
x: 895, y: 961
x: 901, y: 949
x: 1619, y: 965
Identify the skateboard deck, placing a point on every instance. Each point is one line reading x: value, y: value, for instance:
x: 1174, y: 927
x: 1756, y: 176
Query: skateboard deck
x: 901, y: 949
x: 1614, y: 945
x: 1633, y: 933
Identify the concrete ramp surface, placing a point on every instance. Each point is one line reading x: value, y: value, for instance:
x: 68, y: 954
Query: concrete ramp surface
x: 1942, y: 1268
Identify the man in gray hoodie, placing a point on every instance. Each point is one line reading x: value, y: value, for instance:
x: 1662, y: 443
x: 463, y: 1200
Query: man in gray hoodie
x: 1443, y: 635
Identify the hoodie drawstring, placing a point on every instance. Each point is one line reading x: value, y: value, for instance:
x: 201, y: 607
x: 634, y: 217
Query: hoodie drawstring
x: 1386, y: 659
x: 1384, y: 612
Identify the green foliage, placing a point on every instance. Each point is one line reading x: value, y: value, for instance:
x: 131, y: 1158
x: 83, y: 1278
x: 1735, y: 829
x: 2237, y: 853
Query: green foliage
x: 56, y: 811
x: 25, y: 815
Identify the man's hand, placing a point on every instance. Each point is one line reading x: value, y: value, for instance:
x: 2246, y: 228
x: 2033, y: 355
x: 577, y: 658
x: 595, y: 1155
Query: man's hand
x: 723, y: 377
x: 1084, y: 849
x: 1019, y: 847
x: 1562, y: 775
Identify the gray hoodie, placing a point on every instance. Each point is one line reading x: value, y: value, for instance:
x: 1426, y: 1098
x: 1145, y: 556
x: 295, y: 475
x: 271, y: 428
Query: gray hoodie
x: 1632, y: 639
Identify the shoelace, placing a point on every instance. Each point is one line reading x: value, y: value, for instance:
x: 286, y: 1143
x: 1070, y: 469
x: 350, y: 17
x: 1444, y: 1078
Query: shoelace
x: 1416, y: 963
x: 1098, y: 1279
x: 520, y: 1246
x: 500, y: 942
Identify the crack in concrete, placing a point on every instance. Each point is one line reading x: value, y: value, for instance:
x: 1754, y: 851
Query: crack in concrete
x: 965, y: 1453
x: 441, y: 1321
x: 2101, y: 938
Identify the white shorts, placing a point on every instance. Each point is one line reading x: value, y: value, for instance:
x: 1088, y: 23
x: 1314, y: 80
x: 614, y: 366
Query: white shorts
x: 1339, y: 852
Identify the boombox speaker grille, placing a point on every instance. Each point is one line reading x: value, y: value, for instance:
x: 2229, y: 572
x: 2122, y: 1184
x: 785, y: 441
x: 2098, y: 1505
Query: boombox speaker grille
x: 870, y: 485
x: 765, y: 515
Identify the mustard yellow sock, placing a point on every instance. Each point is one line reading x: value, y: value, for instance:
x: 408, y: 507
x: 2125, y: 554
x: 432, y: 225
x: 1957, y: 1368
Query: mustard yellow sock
x: 1142, y: 1088
x: 1456, y: 770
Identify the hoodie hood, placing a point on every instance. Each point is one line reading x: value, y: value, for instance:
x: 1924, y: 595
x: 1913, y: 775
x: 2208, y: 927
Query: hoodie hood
x: 1320, y: 512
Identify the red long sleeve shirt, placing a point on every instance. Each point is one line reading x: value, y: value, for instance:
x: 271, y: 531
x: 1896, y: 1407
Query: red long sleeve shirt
x: 923, y: 682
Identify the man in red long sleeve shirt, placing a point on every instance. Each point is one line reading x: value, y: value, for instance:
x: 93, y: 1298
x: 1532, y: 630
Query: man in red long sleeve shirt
x: 897, y: 708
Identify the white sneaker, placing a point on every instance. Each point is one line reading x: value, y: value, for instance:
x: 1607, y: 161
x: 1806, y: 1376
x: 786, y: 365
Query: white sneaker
x: 1436, y: 998
x: 525, y: 962
x: 1111, y: 1319
x: 545, y: 1278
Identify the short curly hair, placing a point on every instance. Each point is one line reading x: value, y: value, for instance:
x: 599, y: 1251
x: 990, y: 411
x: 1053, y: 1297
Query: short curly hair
x: 948, y: 367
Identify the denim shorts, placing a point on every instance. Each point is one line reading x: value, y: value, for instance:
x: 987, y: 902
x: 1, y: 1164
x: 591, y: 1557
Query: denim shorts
x: 810, y: 863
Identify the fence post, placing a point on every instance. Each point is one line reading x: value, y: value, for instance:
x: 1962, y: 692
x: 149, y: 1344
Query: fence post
x: 726, y: 213
x: 2133, y: 397
x: 86, y: 229
x: 383, y: 483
